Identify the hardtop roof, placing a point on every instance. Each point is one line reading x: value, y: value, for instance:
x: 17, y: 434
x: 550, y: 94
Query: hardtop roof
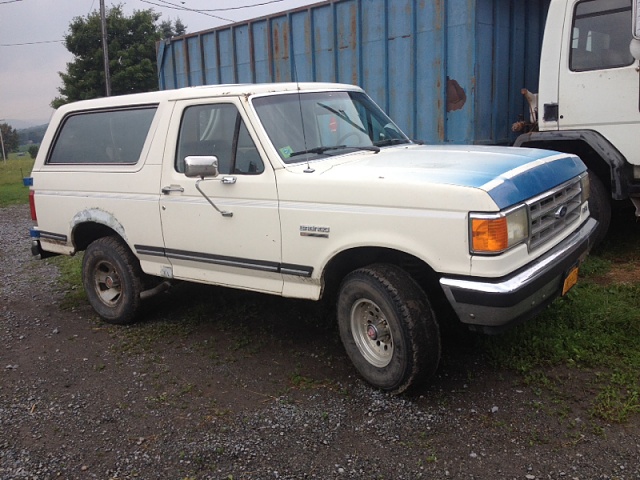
x: 203, y: 91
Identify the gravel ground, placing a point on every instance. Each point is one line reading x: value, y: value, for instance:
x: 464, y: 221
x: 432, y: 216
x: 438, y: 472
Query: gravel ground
x: 259, y: 388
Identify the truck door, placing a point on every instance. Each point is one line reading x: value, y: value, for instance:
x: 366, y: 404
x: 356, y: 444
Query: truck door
x: 599, y: 85
x: 241, y: 248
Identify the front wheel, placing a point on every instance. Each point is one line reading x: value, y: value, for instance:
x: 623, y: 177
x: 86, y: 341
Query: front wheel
x: 112, y: 279
x: 388, y: 327
x: 599, y: 206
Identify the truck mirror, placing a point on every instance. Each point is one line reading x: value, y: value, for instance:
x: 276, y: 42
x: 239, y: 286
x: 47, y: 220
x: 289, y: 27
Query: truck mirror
x: 201, y: 166
x: 636, y: 20
x: 634, y: 48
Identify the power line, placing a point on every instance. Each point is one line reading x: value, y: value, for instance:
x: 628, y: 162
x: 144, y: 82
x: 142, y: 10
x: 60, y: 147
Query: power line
x: 173, y: 6
x: 10, y: 1
x: 28, y: 43
x: 240, y: 8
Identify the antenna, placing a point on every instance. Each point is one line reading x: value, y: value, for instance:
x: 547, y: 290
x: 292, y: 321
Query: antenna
x: 297, y: 82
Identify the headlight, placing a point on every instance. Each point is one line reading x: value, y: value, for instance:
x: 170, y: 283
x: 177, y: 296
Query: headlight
x: 585, y: 188
x: 493, y: 233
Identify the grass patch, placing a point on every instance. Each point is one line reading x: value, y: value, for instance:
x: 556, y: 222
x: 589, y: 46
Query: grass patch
x: 70, y: 269
x: 12, y: 191
x: 596, y: 329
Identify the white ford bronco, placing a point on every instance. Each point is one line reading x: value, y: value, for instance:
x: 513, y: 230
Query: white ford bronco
x: 305, y: 191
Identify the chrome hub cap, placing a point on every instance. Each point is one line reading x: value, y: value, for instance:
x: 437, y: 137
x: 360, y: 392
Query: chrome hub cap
x: 371, y: 333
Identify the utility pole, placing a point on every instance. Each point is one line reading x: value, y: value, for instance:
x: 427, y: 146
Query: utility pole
x: 105, y: 49
x: 4, y: 157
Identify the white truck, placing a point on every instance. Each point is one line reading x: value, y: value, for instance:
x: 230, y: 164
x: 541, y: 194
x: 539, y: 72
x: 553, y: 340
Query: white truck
x: 305, y: 191
x: 588, y: 101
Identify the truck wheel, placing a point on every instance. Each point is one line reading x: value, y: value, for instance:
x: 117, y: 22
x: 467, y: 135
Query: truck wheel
x: 112, y: 279
x: 599, y: 206
x: 388, y: 328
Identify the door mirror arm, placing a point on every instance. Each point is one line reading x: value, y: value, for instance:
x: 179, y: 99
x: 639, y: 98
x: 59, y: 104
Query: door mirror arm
x: 205, y: 167
x: 224, y: 213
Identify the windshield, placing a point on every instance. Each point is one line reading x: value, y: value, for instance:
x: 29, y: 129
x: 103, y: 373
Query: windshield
x: 309, y: 126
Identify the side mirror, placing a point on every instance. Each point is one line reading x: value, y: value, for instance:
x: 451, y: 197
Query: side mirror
x: 634, y: 46
x: 201, y: 166
x: 636, y: 19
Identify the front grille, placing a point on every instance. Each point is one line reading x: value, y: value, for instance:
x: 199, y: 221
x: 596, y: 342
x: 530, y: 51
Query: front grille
x: 552, y: 212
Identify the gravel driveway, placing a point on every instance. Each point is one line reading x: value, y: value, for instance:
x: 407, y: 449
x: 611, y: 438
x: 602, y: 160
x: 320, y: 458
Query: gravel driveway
x: 216, y: 384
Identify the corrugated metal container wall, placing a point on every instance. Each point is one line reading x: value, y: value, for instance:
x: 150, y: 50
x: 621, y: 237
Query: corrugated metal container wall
x: 447, y: 71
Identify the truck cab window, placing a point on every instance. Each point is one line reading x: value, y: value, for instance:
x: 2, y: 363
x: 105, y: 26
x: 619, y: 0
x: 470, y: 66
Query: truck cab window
x: 102, y: 137
x: 218, y: 130
x: 600, y: 36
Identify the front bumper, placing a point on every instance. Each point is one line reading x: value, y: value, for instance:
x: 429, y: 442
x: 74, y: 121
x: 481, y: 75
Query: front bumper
x: 490, y: 305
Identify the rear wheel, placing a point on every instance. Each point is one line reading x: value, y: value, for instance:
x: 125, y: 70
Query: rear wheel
x: 112, y: 279
x: 388, y: 327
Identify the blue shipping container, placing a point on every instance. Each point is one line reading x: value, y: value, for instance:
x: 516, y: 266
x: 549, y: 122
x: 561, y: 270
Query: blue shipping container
x: 447, y: 71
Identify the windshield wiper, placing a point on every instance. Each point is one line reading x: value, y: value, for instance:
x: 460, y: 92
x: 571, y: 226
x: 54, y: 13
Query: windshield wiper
x: 318, y: 150
x: 390, y: 141
x: 322, y: 150
x: 343, y: 116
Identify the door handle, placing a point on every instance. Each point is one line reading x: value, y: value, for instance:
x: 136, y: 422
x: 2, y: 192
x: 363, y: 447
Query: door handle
x: 172, y: 188
x: 228, y: 180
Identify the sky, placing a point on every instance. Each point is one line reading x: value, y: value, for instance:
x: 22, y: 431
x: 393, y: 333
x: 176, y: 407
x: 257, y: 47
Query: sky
x: 32, y: 52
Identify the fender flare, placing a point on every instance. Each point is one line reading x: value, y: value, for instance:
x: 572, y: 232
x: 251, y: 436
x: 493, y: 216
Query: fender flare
x: 99, y: 216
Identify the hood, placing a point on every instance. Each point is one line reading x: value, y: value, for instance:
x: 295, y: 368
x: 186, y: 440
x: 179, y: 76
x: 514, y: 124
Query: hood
x: 509, y: 175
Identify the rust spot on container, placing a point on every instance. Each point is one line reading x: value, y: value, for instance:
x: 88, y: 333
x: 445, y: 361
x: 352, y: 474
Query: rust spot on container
x: 354, y: 26
x: 456, y: 96
x: 276, y: 42
x: 307, y: 34
x: 286, y: 43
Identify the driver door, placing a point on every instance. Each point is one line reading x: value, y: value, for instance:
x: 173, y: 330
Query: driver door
x: 598, y: 84
x: 242, y: 248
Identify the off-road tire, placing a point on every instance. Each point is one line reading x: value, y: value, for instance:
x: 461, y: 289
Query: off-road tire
x: 112, y: 276
x: 388, y: 328
x: 599, y: 207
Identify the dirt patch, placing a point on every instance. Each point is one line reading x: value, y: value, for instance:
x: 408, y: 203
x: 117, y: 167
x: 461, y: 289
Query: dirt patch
x: 620, y: 273
x: 220, y: 384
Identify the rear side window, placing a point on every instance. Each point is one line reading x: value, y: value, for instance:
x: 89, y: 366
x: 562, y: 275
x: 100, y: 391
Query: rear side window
x: 102, y: 137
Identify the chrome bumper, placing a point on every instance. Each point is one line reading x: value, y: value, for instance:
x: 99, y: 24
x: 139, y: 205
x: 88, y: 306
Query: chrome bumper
x: 492, y: 305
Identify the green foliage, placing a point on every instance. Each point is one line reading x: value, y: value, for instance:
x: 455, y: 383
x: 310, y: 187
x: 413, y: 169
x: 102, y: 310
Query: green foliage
x: 12, y: 190
x: 10, y: 138
x: 33, y: 151
x: 169, y: 30
x: 32, y: 135
x: 132, y: 55
x: 594, y: 329
x: 71, y: 280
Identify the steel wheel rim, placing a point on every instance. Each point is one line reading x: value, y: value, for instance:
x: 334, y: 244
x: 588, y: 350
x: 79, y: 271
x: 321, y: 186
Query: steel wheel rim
x: 371, y: 333
x: 107, y: 283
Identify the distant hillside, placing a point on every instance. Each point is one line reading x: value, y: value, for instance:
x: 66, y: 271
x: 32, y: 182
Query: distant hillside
x: 32, y: 134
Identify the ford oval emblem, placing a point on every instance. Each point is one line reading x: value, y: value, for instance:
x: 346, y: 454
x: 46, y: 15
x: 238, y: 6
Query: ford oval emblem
x: 561, y: 212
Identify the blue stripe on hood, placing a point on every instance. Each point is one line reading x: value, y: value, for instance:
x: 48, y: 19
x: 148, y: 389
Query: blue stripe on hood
x: 532, y: 179
x: 509, y: 175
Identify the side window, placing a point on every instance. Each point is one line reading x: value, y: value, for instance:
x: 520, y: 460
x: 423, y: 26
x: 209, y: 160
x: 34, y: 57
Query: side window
x: 102, y: 137
x: 600, y: 35
x: 217, y: 130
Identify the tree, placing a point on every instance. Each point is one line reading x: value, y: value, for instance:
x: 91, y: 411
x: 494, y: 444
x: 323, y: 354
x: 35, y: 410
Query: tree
x: 33, y: 151
x: 169, y: 29
x: 9, y: 138
x: 132, y: 55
